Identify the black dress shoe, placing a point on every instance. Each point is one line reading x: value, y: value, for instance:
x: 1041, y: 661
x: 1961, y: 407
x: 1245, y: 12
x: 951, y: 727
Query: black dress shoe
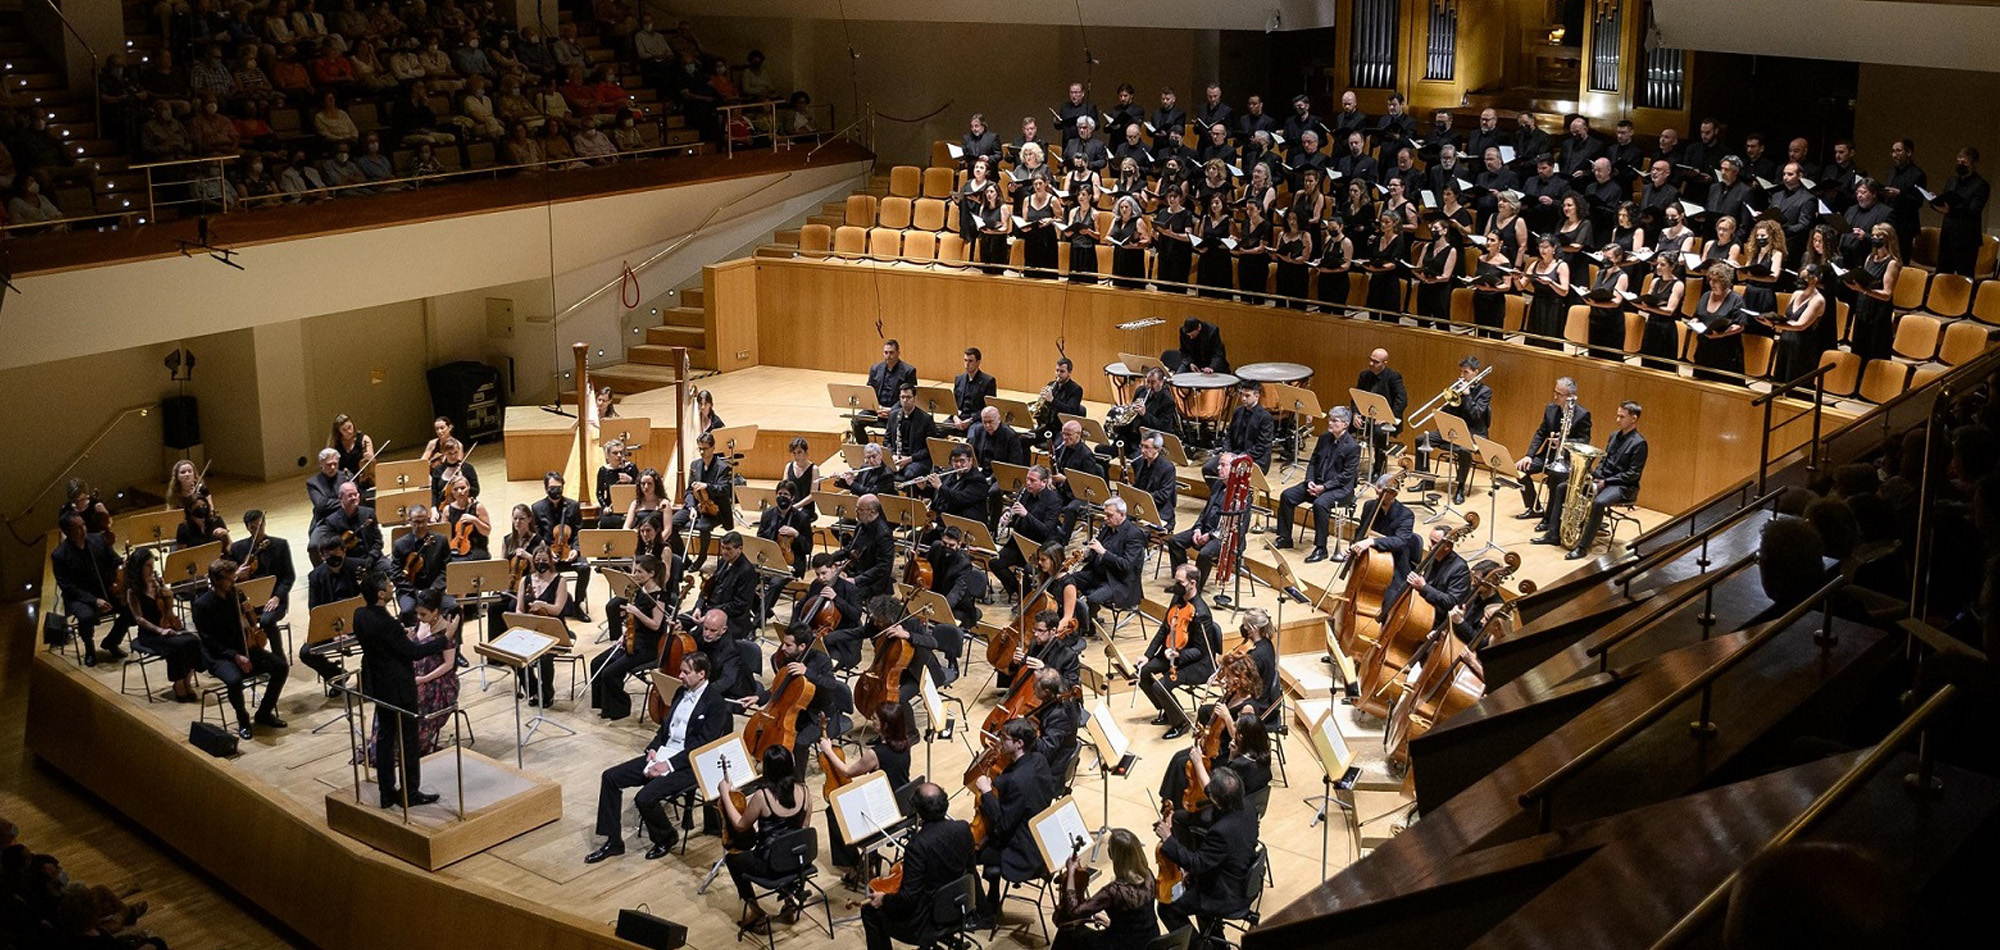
x: 1547, y: 539
x: 1281, y: 542
x: 110, y: 652
x: 90, y: 656
x: 271, y: 720
x: 1525, y: 515
x: 1159, y: 719
x: 659, y: 850
x: 423, y: 798
x: 1317, y: 555
x: 1174, y: 733
x: 1575, y: 554
x: 610, y: 848
x: 243, y: 732
x: 1458, y: 497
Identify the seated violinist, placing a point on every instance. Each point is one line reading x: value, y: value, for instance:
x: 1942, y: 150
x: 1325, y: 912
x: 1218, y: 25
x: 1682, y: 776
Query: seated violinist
x: 200, y: 526
x: 221, y: 620
x: 1122, y: 914
x: 265, y: 555
x: 1007, y: 803
x: 889, y: 754
x: 1216, y: 848
x: 559, y: 519
x: 637, y: 622
x: 940, y: 852
x: 417, y: 560
x: 780, y: 804
x: 1244, y: 745
x: 1182, y: 652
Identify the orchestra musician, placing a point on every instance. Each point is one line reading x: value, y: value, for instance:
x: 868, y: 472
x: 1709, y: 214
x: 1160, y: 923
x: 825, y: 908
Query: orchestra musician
x: 356, y: 450
x: 956, y: 577
x: 992, y: 441
x: 353, y: 525
x: 433, y: 454
x: 890, y: 620
x: 1245, y: 749
x: 199, y: 525
x: 1201, y: 349
x: 1204, y: 538
x: 778, y: 805
x: 273, y: 559
x: 1020, y: 793
x: 735, y: 675
x: 938, y: 853
x: 1117, y: 556
x: 801, y: 475
x: 711, y: 472
x: 1261, y: 634
x: 846, y: 597
x: 1048, y: 649
x: 872, y: 478
x: 618, y: 469
x: 795, y: 656
x: 697, y: 717
x: 150, y: 606
x: 1216, y: 847
x: 323, y: 487
x: 962, y: 491
x: 1155, y: 476
x: 1388, y: 528
x: 552, y: 512
x: 1475, y: 408
x: 220, y: 622
x: 789, y: 524
x: 1072, y: 455
x: 416, y: 561
x: 887, y: 379
x: 1546, y: 446
x: 184, y: 486
x: 335, y: 578
x: 887, y: 753
x: 456, y: 465
x: 1064, y: 397
x: 732, y: 589
x: 1616, y: 479
x: 1124, y: 906
x: 910, y: 429
x: 969, y: 392
x: 543, y: 593
x: 1168, y: 665
x: 871, y: 552
x: 1035, y: 516
x: 1058, y: 719
x: 704, y: 412
x: 646, y: 611
x: 1382, y: 380
x: 1445, y: 582
x: 1329, y: 484
x: 464, y: 519
x: 649, y: 499
x: 1157, y: 411
x: 388, y: 674
x: 85, y: 566
x: 1250, y: 432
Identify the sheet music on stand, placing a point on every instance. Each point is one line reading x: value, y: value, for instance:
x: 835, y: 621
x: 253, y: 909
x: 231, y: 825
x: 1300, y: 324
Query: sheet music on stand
x: 707, y: 764
x: 1114, y: 748
x: 1056, y: 831
x: 865, y: 809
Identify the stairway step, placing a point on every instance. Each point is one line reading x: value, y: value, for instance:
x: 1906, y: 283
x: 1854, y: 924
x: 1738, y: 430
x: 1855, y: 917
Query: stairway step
x: 626, y: 378
x: 693, y: 297
x: 694, y: 318
x: 652, y: 354
x: 664, y: 335
x: 830, y: 220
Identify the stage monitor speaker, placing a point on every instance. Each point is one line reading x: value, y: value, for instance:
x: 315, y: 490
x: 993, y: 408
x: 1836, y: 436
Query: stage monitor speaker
x: 212, y: 739
x: 647, y: 930
x: 180, y: 422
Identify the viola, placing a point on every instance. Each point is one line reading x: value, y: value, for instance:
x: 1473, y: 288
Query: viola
x: 1178, y: 619
x: 461, y: 535
x: 703, y: 503
x: 1170, y: 876
x: 561, y: 541
x: 733, y: 839
x: 776, y: 723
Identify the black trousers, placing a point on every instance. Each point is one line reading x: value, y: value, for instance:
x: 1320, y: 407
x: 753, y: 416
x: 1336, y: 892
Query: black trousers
x: 1006, y: 564
x: 1154, y: 683
x: 1609, y: 495
x: 1322, y: 510
x: 86, y: 615
x: 1536, y: 466
x: 744, y: 865
x: 261, y: 661
x: 1177, y: 552
x: 182, y: 650
x: 1558, y: 486
x: 607, y: 681
x: 881, y: 930
x: 651, y: 798
x: 396, y: 740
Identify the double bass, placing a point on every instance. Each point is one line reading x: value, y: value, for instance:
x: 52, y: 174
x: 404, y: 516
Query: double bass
x: 1368, y: 577
x: 1409, y: 621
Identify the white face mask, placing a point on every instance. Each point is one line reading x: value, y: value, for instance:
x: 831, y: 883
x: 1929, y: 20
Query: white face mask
x: 210, y: 107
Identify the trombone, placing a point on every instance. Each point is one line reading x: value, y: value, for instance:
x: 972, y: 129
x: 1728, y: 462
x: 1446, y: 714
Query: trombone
x: 1453, y: 396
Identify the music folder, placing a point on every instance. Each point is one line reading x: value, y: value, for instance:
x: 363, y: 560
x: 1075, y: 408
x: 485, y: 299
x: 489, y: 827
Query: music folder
x: 1057, y: 830
x: 708, y: 760
x: 865, y: 809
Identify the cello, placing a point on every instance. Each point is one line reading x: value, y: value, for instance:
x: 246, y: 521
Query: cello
x: 675, y: 646
x: 884, y: 677
x: 776, y: 723
x: 1006, y: 647
x: 1368, y: 577
x: 1408, y: 623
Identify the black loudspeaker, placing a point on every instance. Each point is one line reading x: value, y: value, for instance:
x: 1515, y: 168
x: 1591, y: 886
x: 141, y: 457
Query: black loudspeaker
x: 647, y: 930
x: 468, y: 394
x: 180, y: 421
x: 212, y: 739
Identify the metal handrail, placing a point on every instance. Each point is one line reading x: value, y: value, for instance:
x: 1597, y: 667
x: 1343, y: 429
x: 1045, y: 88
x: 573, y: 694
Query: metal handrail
x: 96, y: 100
x: 82, y: 456
x: 1542, y: 793
x: 1768, y: 401
x: 1602, y: 649
x: 1981, y: 368
x: 1685, y: 928
x: 1675, y: 550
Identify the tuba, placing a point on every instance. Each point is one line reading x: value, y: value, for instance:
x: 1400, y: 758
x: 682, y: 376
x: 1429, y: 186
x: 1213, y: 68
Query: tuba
x: 1582, y: 460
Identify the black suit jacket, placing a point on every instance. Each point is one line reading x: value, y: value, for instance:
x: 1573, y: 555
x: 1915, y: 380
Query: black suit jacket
x: 1334, y: 463
x: 431, y: 575
x: 986, y: 144
x: 1044, y: 511
x: 1076, y: 458
x: 938, y: 854
x: 274, y: 561
x: 1206, y: 349
x: 709, y: 721
x: 388, y: 656
x: 324, y: 492
x: 1158, y: 480
x: 963, y: 494
x: 1250, y: 433
x: 1579, y: 430
x: 1477, y: 409
x: 1447, y: 583
x: 367, y: 531
x: 970, y: 395
x: 1019, y: 794
x: 913, y: 430
x: 549, y: 513
x: 715, y: 473
x: 733, y: 590
x: 1002, y: 445
x: 1389, y: 385
x: 873, y: 553
x: 1624, y: 461
x: 1123, y: 558
x: 1396, y: 528
x: 86, y: 573
x: 1060, y: 722
x: 220, y: 624
x: 1218, y: 868
x: 888, y: 383
x: 1196, y: 661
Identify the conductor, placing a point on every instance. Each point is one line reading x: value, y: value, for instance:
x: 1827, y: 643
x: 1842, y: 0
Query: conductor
x: 388, y: 675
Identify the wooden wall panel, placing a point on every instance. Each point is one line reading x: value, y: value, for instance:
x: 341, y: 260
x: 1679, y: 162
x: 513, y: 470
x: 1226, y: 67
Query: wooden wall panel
x: 336, y: 892
x: 820, y: 315
x: 735, y: 342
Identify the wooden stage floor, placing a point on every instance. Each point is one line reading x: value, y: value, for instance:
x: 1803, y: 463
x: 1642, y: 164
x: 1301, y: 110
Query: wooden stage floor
x: 546, y: 864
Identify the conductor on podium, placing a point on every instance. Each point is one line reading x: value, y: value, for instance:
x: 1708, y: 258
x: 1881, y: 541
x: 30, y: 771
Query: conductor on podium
x: 388, y: 675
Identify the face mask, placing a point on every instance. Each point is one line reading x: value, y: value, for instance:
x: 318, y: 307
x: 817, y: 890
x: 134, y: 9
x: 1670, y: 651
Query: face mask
x: 1875, y: 240
x: 1964, y: 168
x: 210, y: 108
x: 340, y: 156
x: 1763, y: 239
x: 555, y: 491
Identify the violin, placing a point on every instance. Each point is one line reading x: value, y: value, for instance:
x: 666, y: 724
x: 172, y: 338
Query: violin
x: 776, y: 723
x: 461, y: 535
x: 630, y: 643
x: 733, y: 839
x: 254, y: 637
x: 560, y: 542
x: 413, y: 565
x: 1208, y: 747
x: 1178, y: 620
x: 165, y: 602
x: 703, y: 503
x: 1170, y: 876
x: 1073, y: 883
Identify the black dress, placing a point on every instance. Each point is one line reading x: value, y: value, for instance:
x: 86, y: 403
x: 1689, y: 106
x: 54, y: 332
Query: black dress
x: 1489, y: 301
x: 1726, y: 353
x: 1607, y: 324
x: 1662, y: 340
x: 1580, y: 237
x: 1082, y: 246
x: 993, y: 251
x: 1798, y: 351
x: 1334, y: 286
x: 1385, y: 288
x: 1760, y: 297
x: 1214, y: 273
x: 1128, y: 263
x: 1253, y: 267
x: 968, y: 202
x: 1871, y: 324
x: 1434, y: 299
x: 1548, y: 311
x: 1039, y: 256
x: 1176, y: 258
x: 1293, y: 278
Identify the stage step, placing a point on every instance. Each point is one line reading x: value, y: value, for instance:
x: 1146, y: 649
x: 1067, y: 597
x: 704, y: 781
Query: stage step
x: 627, y: 378
x: 687, y: 316
x: 666, y: 335
x: 694, y: 297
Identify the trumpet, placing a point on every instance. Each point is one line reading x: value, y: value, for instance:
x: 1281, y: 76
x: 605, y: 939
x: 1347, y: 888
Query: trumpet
x: 1453, y: 396
x: 1042, y: 400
